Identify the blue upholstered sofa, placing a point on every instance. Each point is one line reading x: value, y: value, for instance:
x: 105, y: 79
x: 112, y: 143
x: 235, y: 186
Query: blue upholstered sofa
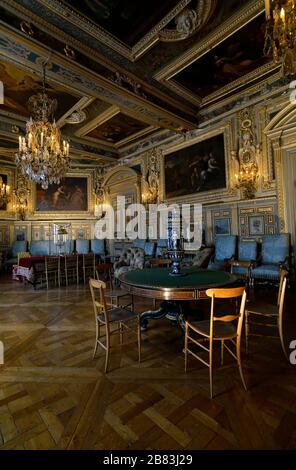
x: 225, y: 250
x: 274, y: 255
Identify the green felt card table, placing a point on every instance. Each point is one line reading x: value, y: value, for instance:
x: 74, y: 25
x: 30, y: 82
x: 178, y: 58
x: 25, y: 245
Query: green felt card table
x: 173, y: 290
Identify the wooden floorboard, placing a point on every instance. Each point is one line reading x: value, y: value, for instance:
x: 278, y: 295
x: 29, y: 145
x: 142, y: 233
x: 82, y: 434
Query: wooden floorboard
x: 53, y: 395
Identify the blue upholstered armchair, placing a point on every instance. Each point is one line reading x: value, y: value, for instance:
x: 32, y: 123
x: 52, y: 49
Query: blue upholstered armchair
x: 161, y: 246
x: 139, y: 243
x: 247, y: 256
x: 225, y: 249
x: 274, y: 255
x: 82, y: 247
x: 98, y: 247
x: 17, y: 247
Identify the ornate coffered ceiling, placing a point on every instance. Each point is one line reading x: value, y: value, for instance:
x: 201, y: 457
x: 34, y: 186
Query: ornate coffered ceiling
x: 127, y: 74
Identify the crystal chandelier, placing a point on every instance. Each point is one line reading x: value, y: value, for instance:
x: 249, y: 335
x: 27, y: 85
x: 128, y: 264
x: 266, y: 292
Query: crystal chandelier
x: 4, y: 193
x: 280, y: 37
x: 42, y: 157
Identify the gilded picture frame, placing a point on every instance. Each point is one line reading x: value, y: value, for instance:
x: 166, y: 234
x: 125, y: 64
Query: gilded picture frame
x: 209, y: 194
x: 58, y: 200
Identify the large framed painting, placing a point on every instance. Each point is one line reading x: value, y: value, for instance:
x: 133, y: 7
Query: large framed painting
x: 197, y: 168
x: 70, y: 195
x: 4, y: 180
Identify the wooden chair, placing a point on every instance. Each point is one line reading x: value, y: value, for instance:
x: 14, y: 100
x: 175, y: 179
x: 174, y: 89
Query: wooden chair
x: 88, y: 266
x: 71, y: 269
x: 112, y: 293
x: 52, y: 270
x: 107, y: 315
x: 268, y: 311
x: 220, y: 328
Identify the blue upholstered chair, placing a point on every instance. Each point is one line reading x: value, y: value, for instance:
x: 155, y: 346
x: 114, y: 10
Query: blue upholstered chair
x: 17, y: 247
x: 274, y: 255
x: 139, y: 243
x: 82, y: 247
x: 247, y: 254
x: 161, y: 245
x: 39, y: 248
x: 98, y: 247
x: 150, y: 249
x: 225, y: 250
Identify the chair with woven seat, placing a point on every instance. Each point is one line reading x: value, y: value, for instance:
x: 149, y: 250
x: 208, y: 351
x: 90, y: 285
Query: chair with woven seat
x: 88, y: 266
x: 114, y: 294
x: 70, y: 269
x: 219, y: 328
x: 107, y: 315
x: 268, y: 311
x: 52, y: 270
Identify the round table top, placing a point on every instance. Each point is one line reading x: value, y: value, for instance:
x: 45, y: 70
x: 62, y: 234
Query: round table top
x: 157, y: 283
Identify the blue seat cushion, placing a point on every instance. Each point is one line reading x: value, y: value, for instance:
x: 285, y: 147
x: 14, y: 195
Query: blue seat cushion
x: 275, y: 248
x: 225, y: 247
x: 247, y: 251
x: 266, y: 271
x: 218, y: 265
x: 240, y: 270
x: 98, y: 247
x: 39, y: 248
x: 82, y: 246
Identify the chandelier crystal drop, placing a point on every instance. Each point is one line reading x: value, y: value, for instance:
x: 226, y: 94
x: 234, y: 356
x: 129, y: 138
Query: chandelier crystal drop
x: 43, y: 155
x: 280, y: 37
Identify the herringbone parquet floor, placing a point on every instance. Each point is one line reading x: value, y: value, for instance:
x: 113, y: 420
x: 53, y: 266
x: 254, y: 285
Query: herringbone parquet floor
x: 54, y: 396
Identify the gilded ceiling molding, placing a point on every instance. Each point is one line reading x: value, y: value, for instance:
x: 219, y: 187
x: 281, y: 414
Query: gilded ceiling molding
x: 100, y: 119
x: 233, y: 24
x: 21, y: 51
x: 78, y: 107
x: 59, y: 34
x: 188, y: 21
x: 236, y: 22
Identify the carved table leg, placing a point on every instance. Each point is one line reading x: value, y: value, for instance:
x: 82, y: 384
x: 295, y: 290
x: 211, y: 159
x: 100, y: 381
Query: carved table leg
x: 171, y: 310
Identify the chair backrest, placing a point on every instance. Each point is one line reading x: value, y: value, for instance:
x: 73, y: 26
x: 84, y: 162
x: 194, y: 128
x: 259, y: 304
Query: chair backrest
x: 71, y: 261
x: 161, y: 246
x: 160, y: 262
x: 283, y: 276
x: 247, y: 250
x: 225, y: 247
x: 18, y: 246
x: 133, y: 257
x: 39, y: 248
x: 22, y: 254
x: 89, y: 260
x: 97, y: 289
x: 104, y: 274
x: 139, y: 243
x: 98, y: 247
x: 82, y: 246
x: 275, y: 248
x: 52, y: 263
x: 150, y: 248
x: 228, y: 293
